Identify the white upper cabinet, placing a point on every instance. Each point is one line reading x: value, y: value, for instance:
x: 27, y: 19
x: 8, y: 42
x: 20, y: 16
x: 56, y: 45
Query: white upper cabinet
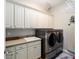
x: 50, y: 22
x: 27, y: 18
x: 33, y: 18
x: 43, y: 20
x: 9, y: 15
x: 19, y: 16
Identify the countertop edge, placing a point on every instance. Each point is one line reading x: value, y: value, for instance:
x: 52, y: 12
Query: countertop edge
x: 7, y: 45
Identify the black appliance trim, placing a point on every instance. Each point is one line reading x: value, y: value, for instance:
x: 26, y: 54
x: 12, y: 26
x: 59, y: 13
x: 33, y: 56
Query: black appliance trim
x: 57, y: 55
x: 54, y: 49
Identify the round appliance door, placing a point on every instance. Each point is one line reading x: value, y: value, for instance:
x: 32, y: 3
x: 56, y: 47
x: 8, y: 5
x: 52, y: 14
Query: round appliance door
x: 52, y: 39
x: 60, y: 37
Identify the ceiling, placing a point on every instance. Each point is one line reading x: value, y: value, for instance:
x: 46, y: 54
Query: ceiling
x: 48, y: 4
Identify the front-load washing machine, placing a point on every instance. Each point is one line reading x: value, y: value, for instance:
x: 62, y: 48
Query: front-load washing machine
x: 51, y: 43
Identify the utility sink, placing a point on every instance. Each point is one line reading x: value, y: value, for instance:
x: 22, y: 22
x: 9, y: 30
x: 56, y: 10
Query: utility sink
x: 29, y: 39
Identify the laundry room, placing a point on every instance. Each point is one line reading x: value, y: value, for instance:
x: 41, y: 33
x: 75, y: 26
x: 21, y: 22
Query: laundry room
x: 39, y: 29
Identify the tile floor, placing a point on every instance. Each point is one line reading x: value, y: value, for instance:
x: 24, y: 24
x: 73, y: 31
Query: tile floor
x: 65, y: 55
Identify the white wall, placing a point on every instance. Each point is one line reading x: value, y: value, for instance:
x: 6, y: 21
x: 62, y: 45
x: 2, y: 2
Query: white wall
x: 62, y: 15
x: 19, y: 32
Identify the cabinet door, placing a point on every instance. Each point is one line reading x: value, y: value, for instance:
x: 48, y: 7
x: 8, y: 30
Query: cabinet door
x: 21, y: 54
x: 10, y: 55
x: 43, y: 20
x: 37, y: 51
x: 19, y: 16
x: 31, y: 52
x: 34, y: 52
x: 33, y: 18
x: 27, y: 18
x: 50, y: 22
x: 9, y: 15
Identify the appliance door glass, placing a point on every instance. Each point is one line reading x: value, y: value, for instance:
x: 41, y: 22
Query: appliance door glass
x: 60, y: 37
x: 52, y: 39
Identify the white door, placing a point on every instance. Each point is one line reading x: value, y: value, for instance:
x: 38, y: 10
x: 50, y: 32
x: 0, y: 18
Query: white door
x: 31, y: 52
x: 19, y: 16
x: 21, y: 54
x: 27, y: 18
x: 9, y: 15
x: 37, y: 51
x: 10, y: 55
x: 34, y: 52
